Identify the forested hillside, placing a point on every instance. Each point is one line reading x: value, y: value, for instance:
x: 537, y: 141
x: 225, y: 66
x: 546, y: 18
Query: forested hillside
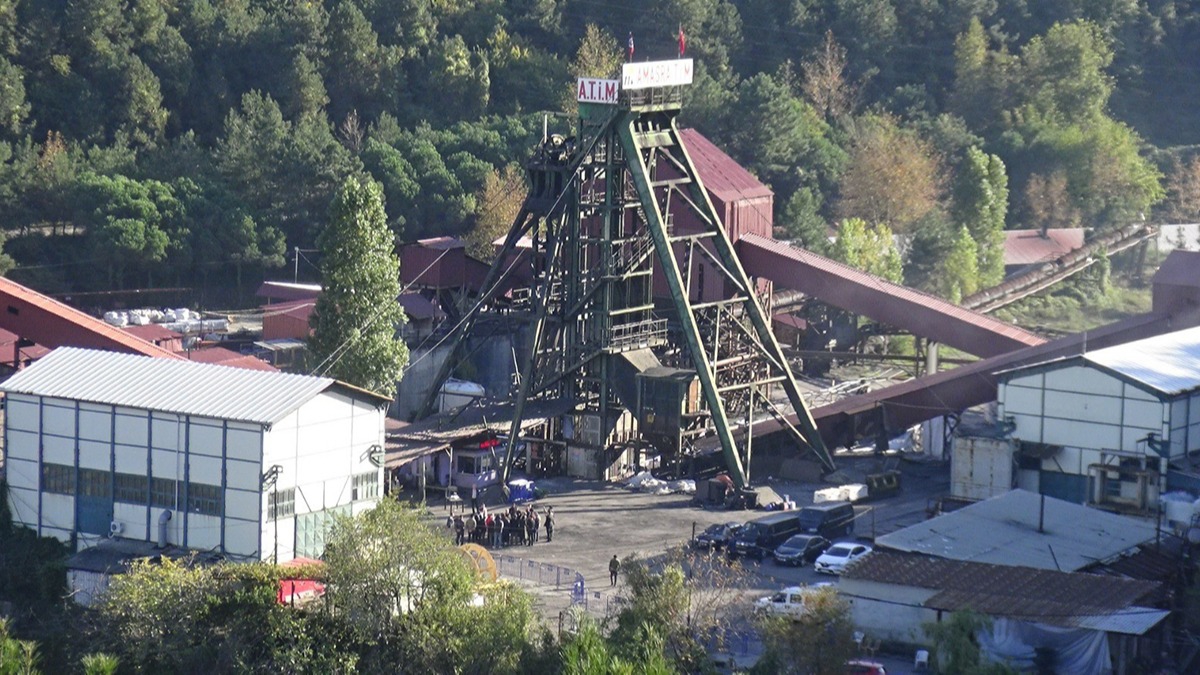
x: 195, y: 142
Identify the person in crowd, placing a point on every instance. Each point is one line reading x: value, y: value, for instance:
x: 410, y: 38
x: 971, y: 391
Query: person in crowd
x: 459, y: 531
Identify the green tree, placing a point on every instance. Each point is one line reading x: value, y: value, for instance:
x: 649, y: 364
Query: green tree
x: 357, y: 316
x: 980, y: 203
x: 386, y: 567
x: 599, y: 55
x: 801, y: 220
x: 783, y: 139
x: 820, y: 640
x: 956, y: 647
x: 981, y: 79
x: 17, y: 657
x: 893, y: 177
x: 175, y: 616
x: 870, y: 249
x: 960, y: 269
x: 1062, y: 74
x: 498, y: 203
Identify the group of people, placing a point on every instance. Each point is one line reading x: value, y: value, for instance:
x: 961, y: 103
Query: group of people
x: 514, y: 527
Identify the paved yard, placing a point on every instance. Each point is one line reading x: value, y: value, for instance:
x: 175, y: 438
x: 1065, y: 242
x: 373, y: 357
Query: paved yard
x: 596, y: 520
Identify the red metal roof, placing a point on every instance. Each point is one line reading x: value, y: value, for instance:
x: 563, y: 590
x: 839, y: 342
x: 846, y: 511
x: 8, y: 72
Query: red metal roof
x: 51, y: 323
x: 228, y: 357
x: 8, y: 339
x: 152, y: 332
x: 843, y: 286
x: 1028, y: 247
x: 721, y: 175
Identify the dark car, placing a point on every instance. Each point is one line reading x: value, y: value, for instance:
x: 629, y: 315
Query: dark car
x: 801, y: 549
x: 717, y: 536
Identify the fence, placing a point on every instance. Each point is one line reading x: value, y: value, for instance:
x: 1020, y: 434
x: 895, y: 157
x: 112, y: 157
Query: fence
x: 532, y: 571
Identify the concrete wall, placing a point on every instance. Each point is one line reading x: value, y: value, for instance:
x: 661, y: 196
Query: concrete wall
x: 887, y: 611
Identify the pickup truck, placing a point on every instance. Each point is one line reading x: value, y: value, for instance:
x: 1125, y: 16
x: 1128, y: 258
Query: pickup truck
x: 789, y: 602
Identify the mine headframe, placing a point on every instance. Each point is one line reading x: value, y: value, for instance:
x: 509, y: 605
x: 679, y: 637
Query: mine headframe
x: 599, y: 214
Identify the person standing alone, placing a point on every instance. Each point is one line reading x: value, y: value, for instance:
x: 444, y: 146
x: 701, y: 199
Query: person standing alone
x: 549, y: 523
x: 614, y: 566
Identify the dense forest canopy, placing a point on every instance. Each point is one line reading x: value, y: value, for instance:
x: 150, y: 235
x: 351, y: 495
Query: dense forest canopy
x: 159, y: 142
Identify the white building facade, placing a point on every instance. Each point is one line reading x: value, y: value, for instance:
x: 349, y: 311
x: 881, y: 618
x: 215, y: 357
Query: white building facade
x: 254, y: 465
x: 1102, y: 427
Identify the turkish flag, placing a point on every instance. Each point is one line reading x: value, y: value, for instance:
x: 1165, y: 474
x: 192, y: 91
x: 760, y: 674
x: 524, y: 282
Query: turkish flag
x: 682, y: 41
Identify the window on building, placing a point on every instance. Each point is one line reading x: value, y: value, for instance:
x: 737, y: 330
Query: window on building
x: 93, y: 483
x: 204, y: 499
x: 282, y: 504
x: 474, y: 465
x: 131, y: 488
x: 58, y: 478
x: 162, y: 493
x: 312, y: 528
x: 366, y: 486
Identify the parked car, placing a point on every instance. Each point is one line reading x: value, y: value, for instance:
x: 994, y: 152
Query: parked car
x: 834, y: 560
x: 863, y: 667
x: 717, y: 536
x: 788, y: 602
x: 801, y: 549
x: 761, y: 537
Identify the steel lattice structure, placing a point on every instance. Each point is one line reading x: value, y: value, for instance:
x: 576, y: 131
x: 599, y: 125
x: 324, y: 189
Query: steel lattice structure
x: 597, y: 218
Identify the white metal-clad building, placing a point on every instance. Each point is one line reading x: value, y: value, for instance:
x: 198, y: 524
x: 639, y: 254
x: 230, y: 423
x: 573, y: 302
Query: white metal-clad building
x: 251, y: 464
x: 1101, y: 427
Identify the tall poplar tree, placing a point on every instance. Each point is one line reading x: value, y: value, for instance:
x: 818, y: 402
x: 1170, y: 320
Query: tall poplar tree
x: 356, y: 317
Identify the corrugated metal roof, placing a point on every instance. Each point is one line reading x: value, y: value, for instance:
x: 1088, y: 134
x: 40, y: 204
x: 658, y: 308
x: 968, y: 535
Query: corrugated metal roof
x: 719, y: 172
x: 1003, y: 530
x: 1047, y: 596
x: 1027, y: 247
x: 228, y: 357
x: 181, y: 387
x: 52, y: 323
x: 1128, y: 621
x: 1168, y: 363
x: 437, y: 432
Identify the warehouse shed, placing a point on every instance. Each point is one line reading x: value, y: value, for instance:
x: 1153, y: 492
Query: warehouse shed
x: 1102, y: 427
x: 250, y: 464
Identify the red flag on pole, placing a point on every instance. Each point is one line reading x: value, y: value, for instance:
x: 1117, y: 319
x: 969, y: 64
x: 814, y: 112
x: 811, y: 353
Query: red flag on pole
x: 631, y: 46
x: 682, y: 41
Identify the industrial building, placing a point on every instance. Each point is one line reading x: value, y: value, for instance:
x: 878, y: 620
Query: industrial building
x: 1086, y: 590
x: 1104, y: 426
x: 250, y: 464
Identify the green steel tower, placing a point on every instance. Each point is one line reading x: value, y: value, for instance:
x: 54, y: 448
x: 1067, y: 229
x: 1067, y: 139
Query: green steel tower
x: 599, y: 215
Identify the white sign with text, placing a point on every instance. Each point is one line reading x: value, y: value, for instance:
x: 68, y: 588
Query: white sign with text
x: 656, y: 74
x: 592, y: 90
